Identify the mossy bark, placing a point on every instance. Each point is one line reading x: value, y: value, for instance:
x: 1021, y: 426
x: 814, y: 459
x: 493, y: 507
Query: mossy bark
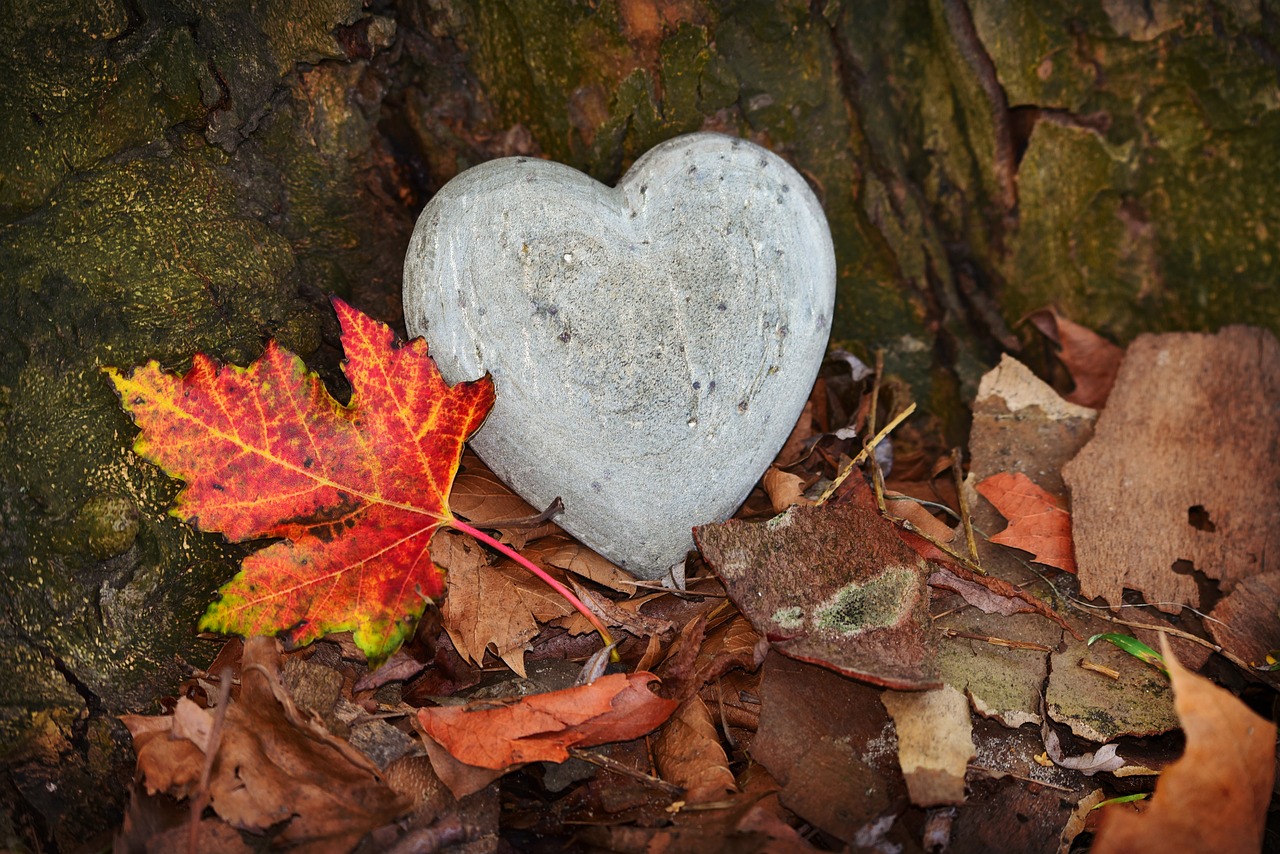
x: 194, y: 176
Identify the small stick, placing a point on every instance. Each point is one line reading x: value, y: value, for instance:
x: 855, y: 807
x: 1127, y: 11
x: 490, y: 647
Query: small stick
x: 1100, y: 668
x: 610, y: 764
x: 941, y: 546
x: 862, y: 455
x: 1005, y: 642
x: 1179, y: 634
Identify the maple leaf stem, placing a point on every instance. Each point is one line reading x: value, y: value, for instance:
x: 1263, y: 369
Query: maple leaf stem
x: 568, y: 594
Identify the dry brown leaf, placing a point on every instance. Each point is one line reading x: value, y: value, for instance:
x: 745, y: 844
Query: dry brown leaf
x: 1245, y: 623
x: 1215, y: 797
x: 1038, y: 523
x: 994, y: 595
x: 1182, y: 468
x: 274, y: 769
x: 688, y: 753
x: 783, y: 488
x: 480, y: 498
x: 491, y: 606
x: 1092, y: 360
x: 793, y: 449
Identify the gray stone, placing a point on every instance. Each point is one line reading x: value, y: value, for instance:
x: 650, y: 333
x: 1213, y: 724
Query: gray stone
x: 652, y: 345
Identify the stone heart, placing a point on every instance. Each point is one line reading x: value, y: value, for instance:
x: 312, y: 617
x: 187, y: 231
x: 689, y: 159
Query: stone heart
x: 652, y: 345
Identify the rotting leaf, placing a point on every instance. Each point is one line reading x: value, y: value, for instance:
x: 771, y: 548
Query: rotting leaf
x: 1038, y: 523
x: 935, y: 742
x: 354, y: 492
x: 688, y: 753
x: 833, y: 585
x: 1213, y: 798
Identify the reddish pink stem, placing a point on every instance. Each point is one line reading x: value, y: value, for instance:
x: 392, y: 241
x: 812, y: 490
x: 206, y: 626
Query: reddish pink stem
x: 568, y: 594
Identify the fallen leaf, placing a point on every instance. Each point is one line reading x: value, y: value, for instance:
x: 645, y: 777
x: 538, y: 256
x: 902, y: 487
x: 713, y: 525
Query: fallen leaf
x: 354, y: 492
x: 829, y: 742
x: 935, y: 742
x: 783, y: 488
x: 542, y: 727
x: 1215, y: 797
x: 993, y: 595
x: 688, y: 753
x: 1038, y: 523
x: 1182, y: 471
x: 1103, y: 759
x: 491, y: 606
x: 274, y: 768
x: 1102, y: 709
x: 1245, y: 623
x: 833, y: 585
x: 1092, y: 360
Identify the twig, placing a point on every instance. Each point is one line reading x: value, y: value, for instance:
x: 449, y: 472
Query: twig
x: 610, y: 764
x: 1005, y: 642
x: 862, y: 455
x: 1178, y: 633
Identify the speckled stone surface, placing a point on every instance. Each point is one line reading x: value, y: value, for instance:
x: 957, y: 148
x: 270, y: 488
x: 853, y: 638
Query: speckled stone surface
x: 652, y: 344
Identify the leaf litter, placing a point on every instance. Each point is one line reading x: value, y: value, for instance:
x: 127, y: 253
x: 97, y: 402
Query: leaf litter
x: 788, y: 755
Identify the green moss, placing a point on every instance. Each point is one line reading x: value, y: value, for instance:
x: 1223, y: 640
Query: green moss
x: 880, y: 603
x: 81, y: 84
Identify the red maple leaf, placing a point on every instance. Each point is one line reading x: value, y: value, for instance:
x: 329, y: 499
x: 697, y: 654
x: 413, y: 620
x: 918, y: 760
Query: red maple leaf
x: 354, y: 492
x: 1038, y: 523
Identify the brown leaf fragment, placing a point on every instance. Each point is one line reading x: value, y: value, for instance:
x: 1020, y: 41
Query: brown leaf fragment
x: 688, y: 753
x: 1182, y: 469
x: 828, y: 741
x: 994, y: 595
x: 542, y: 727
x: 834, y: 585
x: 274, y: 768
x: 783, y: 488
x: 935, y: 742
x: 1215, y: 797
x: 1099, y: 708
x: 1244, y: 622
x: 1038, y: 523
x: 1092, y: 360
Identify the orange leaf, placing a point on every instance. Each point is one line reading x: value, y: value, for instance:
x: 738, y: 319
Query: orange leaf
x: 542, y: 727
x: 1215, y: 797
x: 1038, y: 523
x: 354, y: 492
x: 1092, y: 360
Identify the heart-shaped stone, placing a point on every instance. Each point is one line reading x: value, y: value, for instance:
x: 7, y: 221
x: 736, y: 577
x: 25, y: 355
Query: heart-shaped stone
x: 652, y: 345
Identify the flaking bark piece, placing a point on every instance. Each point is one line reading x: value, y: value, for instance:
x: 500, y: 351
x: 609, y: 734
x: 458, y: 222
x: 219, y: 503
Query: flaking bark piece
x: 833, y: 585
x: 1184, y: 467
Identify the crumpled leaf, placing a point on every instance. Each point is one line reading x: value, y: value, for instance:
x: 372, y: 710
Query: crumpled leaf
x: 274, y: 767
x: 1213, y: 798
x: 993, y: 595
x: 542, y: 727
x: 1092, y: 360
x: 833, y: 585
x: 355, y: 492
x: 1038, y: 523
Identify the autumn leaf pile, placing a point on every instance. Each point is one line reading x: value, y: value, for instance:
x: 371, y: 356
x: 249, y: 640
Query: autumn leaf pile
x: 817, y: 685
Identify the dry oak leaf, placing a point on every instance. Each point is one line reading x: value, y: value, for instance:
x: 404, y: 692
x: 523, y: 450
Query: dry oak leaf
x: 542, y: 727
x: 1038, y: 523
x: 1215, y: 796
x: 353, y: 492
